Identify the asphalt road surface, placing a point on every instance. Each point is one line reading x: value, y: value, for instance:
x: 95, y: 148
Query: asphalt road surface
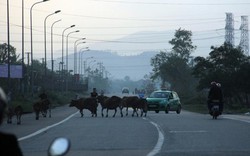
x: 185, y: 134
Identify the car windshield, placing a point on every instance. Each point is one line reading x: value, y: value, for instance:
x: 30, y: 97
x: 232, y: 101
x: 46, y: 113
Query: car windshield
x: 159, y: 95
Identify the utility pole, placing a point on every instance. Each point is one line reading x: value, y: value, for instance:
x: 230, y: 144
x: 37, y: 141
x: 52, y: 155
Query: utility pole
x: 28, y: 57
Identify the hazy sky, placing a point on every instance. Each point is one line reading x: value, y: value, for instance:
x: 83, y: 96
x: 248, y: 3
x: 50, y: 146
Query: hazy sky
x: 108, y: 20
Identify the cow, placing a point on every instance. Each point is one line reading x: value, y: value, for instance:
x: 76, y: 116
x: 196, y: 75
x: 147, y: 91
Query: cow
x: 110, y: 103
x: 85, y: 103
x: 17, y: 111
x: 141, y: 104
x: 135, y: 103
x: 42, y: 106
x: 129, y: 101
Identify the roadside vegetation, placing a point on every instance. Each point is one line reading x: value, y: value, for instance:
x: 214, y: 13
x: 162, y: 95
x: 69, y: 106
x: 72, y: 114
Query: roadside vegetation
x: 175, y: 70
x: 191, y: 77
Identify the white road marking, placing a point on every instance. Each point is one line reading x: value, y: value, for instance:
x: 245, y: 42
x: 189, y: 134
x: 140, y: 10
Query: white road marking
x: 238, y: 118
x: 160, y: 141
x: 199, y: 131
x: 46, y: 128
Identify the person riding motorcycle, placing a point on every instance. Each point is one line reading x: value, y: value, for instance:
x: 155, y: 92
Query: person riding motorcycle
x: 215, y: 96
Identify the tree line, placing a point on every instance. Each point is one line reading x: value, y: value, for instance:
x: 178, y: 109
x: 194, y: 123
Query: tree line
x: 189, y: 76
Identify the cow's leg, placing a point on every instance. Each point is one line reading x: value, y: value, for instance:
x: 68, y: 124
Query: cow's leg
x: 50, y: 110
x: 102, y: 111
x: 81, y: 112
x: 127, y: 111
x: 9, y: 120
x: 121, y: 112
x: 115, y: 112
x: 107, y: 113
x: 19, y: 119
x: 37, y: 115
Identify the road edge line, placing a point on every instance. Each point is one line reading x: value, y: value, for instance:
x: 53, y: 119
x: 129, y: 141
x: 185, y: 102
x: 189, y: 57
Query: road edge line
x: 46, y: 128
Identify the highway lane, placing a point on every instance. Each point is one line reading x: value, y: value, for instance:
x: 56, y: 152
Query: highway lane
x: 183, y: 134
x: 196, y: 134
x: 98, y: 136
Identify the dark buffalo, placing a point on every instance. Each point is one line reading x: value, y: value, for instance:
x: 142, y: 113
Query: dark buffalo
x: 135, y: 103
x: 85, y: 103
x: 42, y: 106
x: 130, y: 102
x: 110, y: 103
x: 17, y: 111
x: 142, y: 105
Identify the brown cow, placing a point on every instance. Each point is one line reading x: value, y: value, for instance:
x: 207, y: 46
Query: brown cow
x: 85, y: 103
x: 129, y: 101
x: 42, y: 106
x: 135, y: 103
x: 17, y: 111
x: 110, y: 103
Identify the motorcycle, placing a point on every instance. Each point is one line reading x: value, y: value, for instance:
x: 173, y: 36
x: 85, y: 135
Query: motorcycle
x: 215, y: 110
x: 59, y: 147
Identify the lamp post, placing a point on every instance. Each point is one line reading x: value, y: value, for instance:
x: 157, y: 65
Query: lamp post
x: 75, y: 54
x: 8, y: 38
x: 45, y: 49
x: 67, y: 57
x: 79, y: 58
x: 67, y: 38
x: 31, y: 45
x: 52, y: 55
x: 81, y: 53
x: 23, y: 39
x: 62, y: 42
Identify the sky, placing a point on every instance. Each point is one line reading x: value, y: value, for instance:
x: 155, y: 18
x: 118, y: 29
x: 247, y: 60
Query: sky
x: 103, y: 22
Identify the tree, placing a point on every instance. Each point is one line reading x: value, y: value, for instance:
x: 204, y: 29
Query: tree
x: 182, y: 44
x: 173, y: 67
x: 227, y: 65
x: 4, y: 54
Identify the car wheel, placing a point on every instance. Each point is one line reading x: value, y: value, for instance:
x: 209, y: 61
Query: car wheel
x: 167, y: 109
x: 156, y: 111
x: 178, y: 111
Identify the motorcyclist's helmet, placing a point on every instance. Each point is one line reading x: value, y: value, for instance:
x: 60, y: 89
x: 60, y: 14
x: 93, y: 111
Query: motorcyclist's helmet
x: 213, y: 83
x: 218, y: 84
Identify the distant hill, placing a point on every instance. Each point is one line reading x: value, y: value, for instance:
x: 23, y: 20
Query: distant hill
x: 134, y: 66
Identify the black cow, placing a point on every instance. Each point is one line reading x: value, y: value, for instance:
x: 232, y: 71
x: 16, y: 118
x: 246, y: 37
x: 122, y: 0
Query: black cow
x: 110, y: 103
x: 135, y: 103
x: 85, y: 103
x: 130, y: 101
x: 142, y: 105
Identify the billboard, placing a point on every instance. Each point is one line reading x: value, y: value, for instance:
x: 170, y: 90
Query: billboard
x: 15, y: 71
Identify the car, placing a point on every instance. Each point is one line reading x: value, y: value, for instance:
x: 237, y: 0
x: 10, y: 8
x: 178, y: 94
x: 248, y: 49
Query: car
x: 164, y: 100
x: 125, y: 90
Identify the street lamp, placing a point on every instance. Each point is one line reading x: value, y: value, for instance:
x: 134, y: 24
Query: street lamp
x: 45, y: 53
x: 31, y: 45
x: 81, y: 52
x: 75, y: 54
x: 52, y: 61
x: 67, y: 59
x: 62, y: 41
x: 79, y: 58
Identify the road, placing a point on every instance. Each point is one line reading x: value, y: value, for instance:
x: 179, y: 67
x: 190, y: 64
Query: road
x: 157, y: 134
